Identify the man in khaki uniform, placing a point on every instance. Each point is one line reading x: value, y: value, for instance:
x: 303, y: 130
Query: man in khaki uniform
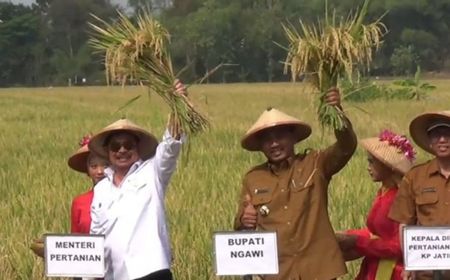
x: 288, y: 194
x: 424, y: 194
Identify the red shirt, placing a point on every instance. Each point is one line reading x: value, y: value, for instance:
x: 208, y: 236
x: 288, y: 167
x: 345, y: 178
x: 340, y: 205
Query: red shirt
x: 386, y: 246
x: 81, y: 212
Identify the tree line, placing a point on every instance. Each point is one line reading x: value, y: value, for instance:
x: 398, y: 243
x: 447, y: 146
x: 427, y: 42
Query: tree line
x: 46, y: 44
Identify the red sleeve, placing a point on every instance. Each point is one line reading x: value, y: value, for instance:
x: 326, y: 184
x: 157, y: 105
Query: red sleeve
x: 364, y: 232
x: 74, y: 217
x: 380, y: 248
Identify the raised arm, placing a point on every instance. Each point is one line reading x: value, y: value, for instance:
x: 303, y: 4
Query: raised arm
x: 334, y: 158
x: 166, y: 157
x: 169, y: 149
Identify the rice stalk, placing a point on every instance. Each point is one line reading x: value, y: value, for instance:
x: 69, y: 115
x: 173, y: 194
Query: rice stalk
x: 140, y: 52
x: 329, y: 50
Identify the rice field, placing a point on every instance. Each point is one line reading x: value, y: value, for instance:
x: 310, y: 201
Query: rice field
x: 41, y: 127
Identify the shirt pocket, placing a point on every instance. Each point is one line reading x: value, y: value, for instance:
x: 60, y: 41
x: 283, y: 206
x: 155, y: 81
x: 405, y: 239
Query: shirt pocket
x: 299, y: 185
x: 426, y: 202
x: 426, y: 198
x: 137, y: 184
x: 302, y: 182
x: 138, y: 193
x: 261, y: 196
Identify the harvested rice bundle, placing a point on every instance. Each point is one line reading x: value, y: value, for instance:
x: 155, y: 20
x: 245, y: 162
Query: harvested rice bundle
x: 140, y: 52
x: 330, y: 50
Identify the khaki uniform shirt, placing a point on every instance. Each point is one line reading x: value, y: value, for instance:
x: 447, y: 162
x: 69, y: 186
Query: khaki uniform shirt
x: 296, y: 196
x: 423, y: 199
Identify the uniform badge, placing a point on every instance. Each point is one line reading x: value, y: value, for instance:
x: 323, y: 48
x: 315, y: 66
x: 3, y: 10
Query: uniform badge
x: 264, y: 210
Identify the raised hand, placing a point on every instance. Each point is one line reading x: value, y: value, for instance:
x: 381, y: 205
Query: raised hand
x: 180, y: 88
x: 174, y: 126
x: 333, y: 97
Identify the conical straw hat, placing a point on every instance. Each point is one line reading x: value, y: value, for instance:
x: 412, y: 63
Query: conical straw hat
x: 420, y: 125
x: 78, y: 161
x: 396, y: 154
x: 147, y: 142
x: 272, y: 118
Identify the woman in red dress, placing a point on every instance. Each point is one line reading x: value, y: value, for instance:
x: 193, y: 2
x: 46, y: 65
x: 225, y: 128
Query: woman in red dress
x: 93, y: 165
x: 389, y: 156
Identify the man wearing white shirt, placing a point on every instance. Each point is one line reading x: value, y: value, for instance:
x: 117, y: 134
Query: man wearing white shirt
x: 128, y: 204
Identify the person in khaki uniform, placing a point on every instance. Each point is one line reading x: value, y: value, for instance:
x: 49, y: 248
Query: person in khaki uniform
x: 289, y: 194
x: 424, y: 194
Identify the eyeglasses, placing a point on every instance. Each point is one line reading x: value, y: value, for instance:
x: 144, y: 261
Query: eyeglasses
x: 114, y: 146
x: 437, y: 133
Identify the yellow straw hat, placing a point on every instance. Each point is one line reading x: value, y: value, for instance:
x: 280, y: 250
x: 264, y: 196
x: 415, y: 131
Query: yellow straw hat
x: 147, y: 142
x: 393, y: 150
x: 272, y: 118
x: 421, y: 125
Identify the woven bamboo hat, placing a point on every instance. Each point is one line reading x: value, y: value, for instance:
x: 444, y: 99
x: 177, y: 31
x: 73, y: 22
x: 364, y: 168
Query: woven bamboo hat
x: 391, y: 149
x: 272, y: 118
x: 422, y: 124
x: 78, y: 161
x: 147, y: 142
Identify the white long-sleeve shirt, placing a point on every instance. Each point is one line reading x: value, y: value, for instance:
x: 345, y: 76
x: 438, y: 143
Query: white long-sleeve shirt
x: 132, y: 215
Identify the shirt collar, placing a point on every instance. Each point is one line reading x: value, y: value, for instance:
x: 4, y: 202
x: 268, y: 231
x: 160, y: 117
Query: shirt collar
x: 109, y: 172
x: 433, y: 168
x: 286, y: 164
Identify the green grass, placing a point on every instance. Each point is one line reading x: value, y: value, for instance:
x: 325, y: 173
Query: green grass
x: 40, y: 128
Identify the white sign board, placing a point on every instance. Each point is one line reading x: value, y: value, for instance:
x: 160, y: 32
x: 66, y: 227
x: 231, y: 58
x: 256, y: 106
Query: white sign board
x: 246, y: 252
x: 426, y: 248
x: 68, y: 255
